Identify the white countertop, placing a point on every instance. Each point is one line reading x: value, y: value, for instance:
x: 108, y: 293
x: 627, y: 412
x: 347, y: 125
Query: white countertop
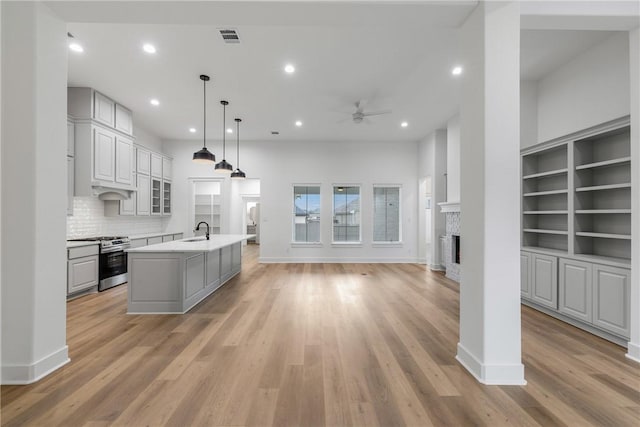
x: 146, y: 236
x: 200, y: 244
x: 82, y: 243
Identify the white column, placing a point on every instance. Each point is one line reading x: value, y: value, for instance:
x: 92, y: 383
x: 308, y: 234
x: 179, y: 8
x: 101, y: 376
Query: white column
x: 633, y: 347
x: 489, y: 344
x: 34, y: 106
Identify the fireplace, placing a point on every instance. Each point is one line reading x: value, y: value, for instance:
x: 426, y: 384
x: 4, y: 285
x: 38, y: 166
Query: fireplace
x: 455, y: 248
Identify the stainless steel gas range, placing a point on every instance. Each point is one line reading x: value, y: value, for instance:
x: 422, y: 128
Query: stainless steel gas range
x: 113, y: 260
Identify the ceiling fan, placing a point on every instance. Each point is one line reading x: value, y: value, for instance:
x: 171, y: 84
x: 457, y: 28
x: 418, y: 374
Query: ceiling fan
x: 360, y: 115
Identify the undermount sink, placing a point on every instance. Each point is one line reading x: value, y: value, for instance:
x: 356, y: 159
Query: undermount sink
x: 193, y: 240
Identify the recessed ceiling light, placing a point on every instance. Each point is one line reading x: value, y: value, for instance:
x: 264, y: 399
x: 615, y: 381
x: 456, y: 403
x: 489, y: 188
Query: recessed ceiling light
x: 404, y: 124
x: 229, y: 130
x: 76, y: 47
x: 149, y: 48
x: 154, y: 102
x: 298, y: 123
x: 289, y: 69
x: 457, y: 70
x: 192, y: 130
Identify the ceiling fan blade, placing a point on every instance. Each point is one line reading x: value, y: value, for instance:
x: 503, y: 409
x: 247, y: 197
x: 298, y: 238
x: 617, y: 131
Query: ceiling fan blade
x: 376, y: 113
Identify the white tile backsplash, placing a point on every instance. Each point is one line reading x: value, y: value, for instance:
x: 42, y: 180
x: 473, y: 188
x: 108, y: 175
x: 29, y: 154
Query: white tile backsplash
x: 88, y: 220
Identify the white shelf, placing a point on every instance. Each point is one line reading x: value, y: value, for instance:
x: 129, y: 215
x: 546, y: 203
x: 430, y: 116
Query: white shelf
x: 604, y: 235
x: 605, y: 163
x: 542, y: 231
x: 545, y: 193
x: 544, y: 174
x: 560, y: 212
x: 604, y: 187
x: 603, y: 211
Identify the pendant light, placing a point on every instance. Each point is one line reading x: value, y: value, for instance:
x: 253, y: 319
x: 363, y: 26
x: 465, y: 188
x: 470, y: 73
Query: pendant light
x: 238, y: 174
x: 223, y: 166
x: 204, y: 155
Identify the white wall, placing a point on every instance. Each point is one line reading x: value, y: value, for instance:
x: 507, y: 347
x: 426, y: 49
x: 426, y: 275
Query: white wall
x: 34, y: 76
x: 453, y: 159
x: 279, y: 165
x: 146, y: 138
x: 528, y: 113
x: 590, y: 89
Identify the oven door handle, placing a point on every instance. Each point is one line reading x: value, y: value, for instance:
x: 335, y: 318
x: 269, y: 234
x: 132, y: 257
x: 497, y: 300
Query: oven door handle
x: 114, y: 249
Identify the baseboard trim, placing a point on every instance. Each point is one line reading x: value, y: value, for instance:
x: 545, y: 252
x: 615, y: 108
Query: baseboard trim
x: 633, y: 351
x: 339, y: 260
x: 437, y: 267
x: 28, y: 374
x: 490, y: 374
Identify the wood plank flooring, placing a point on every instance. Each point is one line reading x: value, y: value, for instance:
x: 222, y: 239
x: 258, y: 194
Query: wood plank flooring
x: 315, y: 345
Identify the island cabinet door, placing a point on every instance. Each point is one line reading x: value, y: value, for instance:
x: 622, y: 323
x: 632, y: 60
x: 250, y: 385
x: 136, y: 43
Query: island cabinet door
x: 236, y: 257
x: 225, y: 263
x: 194, y: 270
x: 213, y: 269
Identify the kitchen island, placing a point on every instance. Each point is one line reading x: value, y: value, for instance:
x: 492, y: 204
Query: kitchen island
x: 172, y: 277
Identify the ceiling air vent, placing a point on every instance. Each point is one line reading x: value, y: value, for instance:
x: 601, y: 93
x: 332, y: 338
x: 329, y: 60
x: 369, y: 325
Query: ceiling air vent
x: 229, y: 36
x: 275, y: 132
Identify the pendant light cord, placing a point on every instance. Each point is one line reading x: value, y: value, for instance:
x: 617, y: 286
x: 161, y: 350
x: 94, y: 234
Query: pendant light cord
x: 204, y: 118
x: 224, y: 130
x: 238, y: 142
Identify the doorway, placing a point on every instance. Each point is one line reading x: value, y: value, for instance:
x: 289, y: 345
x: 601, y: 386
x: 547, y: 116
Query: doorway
x: 425, y: 217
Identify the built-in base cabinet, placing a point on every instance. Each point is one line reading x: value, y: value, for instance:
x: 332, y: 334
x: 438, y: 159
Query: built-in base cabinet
x: 596, y: 295
x: 82, y: 268
x: 611, y: 289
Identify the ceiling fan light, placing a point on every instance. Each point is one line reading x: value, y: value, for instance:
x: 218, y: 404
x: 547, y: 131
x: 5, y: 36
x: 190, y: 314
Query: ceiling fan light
x: 223, y: 167
x: 238, y: 174
x: 204, y: 156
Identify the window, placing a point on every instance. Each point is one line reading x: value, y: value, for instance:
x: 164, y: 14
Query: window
x: 386, y: 214
x: 306, y: 214
x: 346, y: 214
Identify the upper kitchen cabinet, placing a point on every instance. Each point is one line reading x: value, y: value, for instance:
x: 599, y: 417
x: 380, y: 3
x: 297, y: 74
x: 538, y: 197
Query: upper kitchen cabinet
x: 103, y: 109
x: 143, y: 161
x: 156, y: 165
x: 87, y: 103
x: 104, y: 152
x: 166, y: 168
x: 124, y: 120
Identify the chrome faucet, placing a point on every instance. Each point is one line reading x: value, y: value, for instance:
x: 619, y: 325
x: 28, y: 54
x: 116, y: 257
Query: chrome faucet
x: 198, y: 228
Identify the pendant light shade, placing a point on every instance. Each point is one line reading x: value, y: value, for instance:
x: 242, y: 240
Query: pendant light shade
x: 224, y: 166
x: 204, y: 156
x: 238, y: 174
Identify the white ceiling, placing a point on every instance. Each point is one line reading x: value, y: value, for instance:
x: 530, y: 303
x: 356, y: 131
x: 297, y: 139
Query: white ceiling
x: 396, y: 57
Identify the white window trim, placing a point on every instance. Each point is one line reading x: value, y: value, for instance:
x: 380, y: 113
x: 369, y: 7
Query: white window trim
x: 333, y: 209
x: 292, y: 210
x: 398, y: 243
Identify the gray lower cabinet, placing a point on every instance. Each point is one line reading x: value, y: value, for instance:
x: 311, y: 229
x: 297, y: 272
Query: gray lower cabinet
x: 525, y: 274
x: 226, y: 266
x: 236, y: 257
x: 611, y: 287
x: 544, y: 280
x: 167, y: 238
x: 137, y: 243
x: 82, y: 268
x: 575, y: 289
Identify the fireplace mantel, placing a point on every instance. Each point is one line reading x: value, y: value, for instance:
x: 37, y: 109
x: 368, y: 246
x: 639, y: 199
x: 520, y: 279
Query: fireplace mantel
x: 449, y: 207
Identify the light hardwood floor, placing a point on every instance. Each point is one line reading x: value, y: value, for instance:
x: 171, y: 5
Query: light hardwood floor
x: 313, y: 345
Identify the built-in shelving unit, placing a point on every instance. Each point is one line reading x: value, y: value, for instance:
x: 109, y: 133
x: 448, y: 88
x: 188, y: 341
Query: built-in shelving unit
x: 545, y: 193
x: 576, y: 228
x: 576, y: 194
x: 207, y: 206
